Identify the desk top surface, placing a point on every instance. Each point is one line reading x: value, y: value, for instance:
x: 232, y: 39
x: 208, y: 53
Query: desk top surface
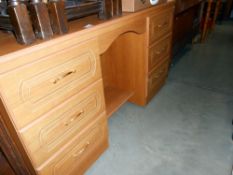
x: 8, y: 44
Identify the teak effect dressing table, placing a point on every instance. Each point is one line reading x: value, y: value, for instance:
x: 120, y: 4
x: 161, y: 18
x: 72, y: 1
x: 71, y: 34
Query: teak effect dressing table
x: 56, y: 95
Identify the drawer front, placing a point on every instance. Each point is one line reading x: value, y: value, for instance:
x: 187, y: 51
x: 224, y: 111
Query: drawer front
x: 46, y: 136
x: 157, y: 79
x: 159, y: 51
x: 80, y: 153
x: 160, y: 25
x: 32, y: 90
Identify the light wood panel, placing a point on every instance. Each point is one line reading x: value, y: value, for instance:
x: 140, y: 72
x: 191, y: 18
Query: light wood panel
x: 124, y: 65
x: 115, y: 98
x: 106, y: 40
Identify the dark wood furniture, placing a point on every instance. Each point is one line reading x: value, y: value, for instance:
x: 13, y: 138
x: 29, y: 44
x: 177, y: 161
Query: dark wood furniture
x: 228, y: 8
x: 11, y: 159
x: 186, y: 23
x: 10, y: 155
x: 5, y: 166
x: 211, y: 14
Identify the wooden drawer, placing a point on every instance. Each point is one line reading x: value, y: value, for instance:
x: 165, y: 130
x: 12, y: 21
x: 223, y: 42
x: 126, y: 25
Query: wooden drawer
x: 159, y: 51
x: 160, y: 25
x: 46, y: 136
x: 80, y: 152
x: 32, y: 90
x: 157, y: 78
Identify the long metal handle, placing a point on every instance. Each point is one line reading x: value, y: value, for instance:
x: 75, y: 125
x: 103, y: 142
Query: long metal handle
x: 56, y: 80
x: 74, y: 118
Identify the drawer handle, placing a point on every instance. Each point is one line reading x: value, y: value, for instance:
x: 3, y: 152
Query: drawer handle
x: 80, y: 152
x: 161, y: 71
x: 162, y: 25
x: 68, y: 73
x: 156, y: 76
x: 159, y: 74
x: 161, y: 51
x: 74, y: 118
x: 56, y: 80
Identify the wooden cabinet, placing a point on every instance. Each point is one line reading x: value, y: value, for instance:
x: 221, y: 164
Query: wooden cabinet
x: 159, y: 50
x: 56, y: 95
x: 186, y: 23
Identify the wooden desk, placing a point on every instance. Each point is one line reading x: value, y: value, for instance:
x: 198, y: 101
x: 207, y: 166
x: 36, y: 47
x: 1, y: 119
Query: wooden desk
x: 56, y: 95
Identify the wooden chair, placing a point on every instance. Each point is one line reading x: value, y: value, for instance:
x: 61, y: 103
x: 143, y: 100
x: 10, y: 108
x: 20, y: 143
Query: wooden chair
x: 207, y: 24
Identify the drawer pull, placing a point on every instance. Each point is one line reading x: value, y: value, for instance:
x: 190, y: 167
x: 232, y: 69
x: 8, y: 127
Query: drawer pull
x: 162, y: 25
x: 159, y: 74
x: 156, y: 76
x: 56, y: 80
x: 68, y: 73
x: 74, y: 118
x: 161, y: 51
x: 80, y: 152
x: 161, y: 71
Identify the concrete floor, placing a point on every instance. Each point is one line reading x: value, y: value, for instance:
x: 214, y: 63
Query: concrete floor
x: 186, y: 129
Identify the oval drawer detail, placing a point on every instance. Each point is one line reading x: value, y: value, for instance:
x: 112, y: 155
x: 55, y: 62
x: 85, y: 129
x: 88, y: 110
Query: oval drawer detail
x: 159, y: 51
x: 41, y: 86
x: 32, y: 90
x: 160, y: 25
x: 157, y: 78
x: 44, y: 137
x: 79, y: 152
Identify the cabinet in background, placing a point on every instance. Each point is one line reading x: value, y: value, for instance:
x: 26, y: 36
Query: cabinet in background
x: 187, y: 23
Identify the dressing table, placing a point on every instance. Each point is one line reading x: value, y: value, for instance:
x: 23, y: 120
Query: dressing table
x: 57, y: 95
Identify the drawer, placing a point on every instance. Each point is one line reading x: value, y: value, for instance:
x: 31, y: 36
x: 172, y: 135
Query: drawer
x: 46, y: 136
x: 32, y: 90
x: 157, y: 79
x: 79, y: 153
x: 160, y: 25
x: 159, y: 51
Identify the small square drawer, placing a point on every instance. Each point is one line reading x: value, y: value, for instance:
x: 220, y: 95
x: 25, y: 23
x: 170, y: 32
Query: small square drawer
x: 157, y: 78
x: 46, y: 136
x: 160, y: 25
x: 31, y: 90
x: 80, y: 152
x: 159, y: 51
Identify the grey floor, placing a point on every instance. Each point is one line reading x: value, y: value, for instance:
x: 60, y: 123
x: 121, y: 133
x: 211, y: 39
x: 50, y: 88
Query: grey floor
x: 186, y: 129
